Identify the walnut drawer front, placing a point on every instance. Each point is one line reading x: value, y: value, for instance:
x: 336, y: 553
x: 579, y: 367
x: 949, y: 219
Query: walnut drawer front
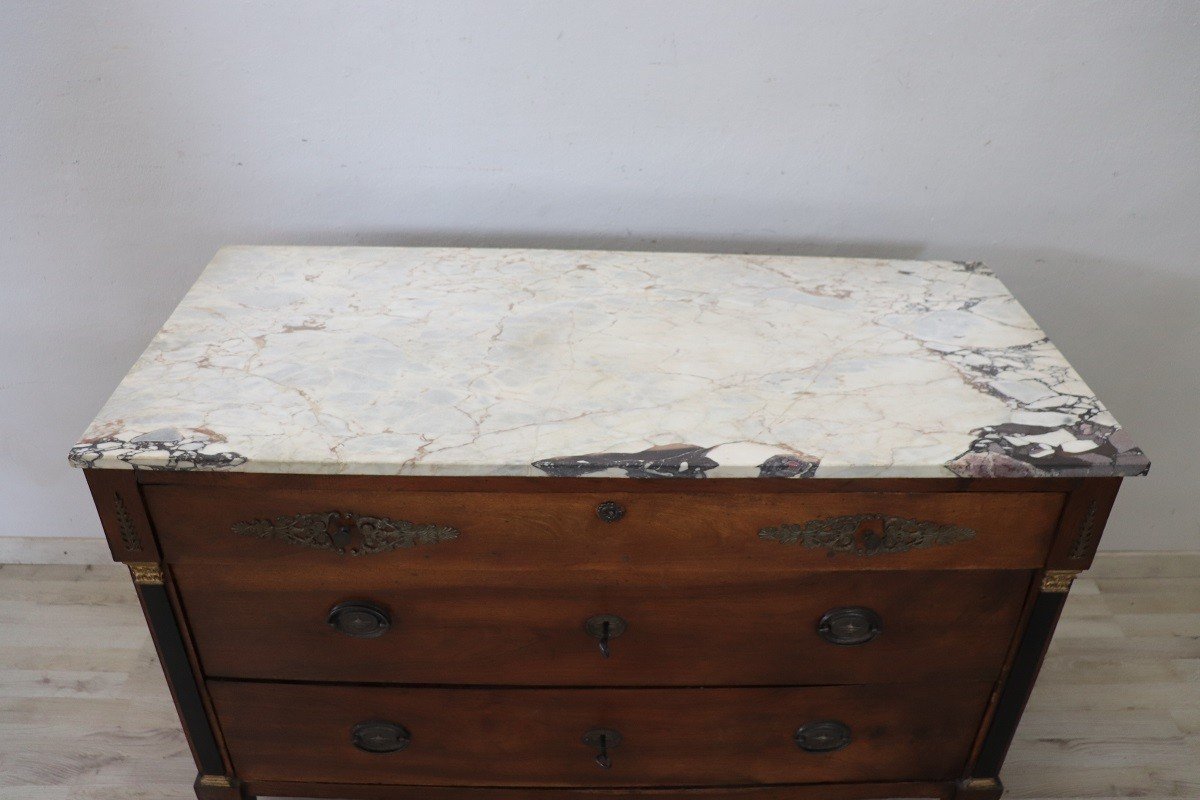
x: 431, y: 626
x: 810, y: 530
x: 540, y: 737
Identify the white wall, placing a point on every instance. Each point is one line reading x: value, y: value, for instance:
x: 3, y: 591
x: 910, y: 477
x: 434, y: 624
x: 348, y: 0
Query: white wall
x: 1059, y: 141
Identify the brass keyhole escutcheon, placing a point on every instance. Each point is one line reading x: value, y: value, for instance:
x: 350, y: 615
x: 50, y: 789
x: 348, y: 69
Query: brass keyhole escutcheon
x: 610, y: 511
x: 604, y: 628
x: 603, y: 739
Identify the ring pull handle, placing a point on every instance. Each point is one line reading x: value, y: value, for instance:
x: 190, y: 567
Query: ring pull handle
x: 604, y: 628
x: 602, y: 739
x: 378, y: 736
x: 359, y: 620
x: 849, y: 626
x: 824, y: 736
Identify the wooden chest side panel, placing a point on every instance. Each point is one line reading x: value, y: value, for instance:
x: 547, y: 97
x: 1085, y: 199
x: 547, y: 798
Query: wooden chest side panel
x: 528, y: 627
x: 533, y: 737
x: 1082, y: 523
x: 119, y: 504
x: 944, y: 531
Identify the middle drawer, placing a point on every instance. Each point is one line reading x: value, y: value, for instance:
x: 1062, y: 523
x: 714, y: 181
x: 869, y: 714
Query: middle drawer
x: 378, y: 623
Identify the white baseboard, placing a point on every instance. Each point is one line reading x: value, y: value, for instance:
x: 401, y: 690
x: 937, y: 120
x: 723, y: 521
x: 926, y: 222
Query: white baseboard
x: 54, y: 550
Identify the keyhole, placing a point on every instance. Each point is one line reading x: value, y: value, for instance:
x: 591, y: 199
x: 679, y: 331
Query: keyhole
x: 340, y: 534
x: 602, y: 760
x: 602, y: 739
x: 604, y: 628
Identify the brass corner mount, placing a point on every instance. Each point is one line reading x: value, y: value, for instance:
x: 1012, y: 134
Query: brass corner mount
x: 146, y: 573
x: 1058, y: 581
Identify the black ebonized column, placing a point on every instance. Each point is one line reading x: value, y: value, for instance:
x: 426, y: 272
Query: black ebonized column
x: 212, y: 783
x: 1047, y: 607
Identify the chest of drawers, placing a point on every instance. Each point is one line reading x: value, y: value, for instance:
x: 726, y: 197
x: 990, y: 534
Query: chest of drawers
x: 418, y: 523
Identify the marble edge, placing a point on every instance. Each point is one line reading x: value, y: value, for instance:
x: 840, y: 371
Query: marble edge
x: 648, y: 471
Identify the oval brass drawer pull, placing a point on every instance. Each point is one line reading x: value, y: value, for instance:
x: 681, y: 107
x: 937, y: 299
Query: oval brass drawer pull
x: 360, y: 620
x: 378, y: 736
x: 824, y: 736
x: 849, y: 626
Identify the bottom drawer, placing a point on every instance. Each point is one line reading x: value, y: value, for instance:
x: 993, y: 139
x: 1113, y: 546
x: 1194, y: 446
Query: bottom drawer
x: 941, y: 790
x: 540, y: 737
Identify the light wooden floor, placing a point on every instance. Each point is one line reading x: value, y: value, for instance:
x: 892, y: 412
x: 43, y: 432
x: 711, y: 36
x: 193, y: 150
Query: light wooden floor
x: 85, y: 715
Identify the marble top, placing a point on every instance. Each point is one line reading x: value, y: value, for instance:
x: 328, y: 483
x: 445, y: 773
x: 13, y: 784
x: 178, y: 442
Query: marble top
x: 451, y: 361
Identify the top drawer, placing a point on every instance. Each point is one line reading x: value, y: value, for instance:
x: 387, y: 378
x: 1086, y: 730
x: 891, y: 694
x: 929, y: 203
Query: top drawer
x: 810, y: 530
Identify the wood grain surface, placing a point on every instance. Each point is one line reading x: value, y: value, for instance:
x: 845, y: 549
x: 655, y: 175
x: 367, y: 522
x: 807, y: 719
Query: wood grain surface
x: 526, y: 627
x: 909, y: 790
x: 555, y: 529
x: 532, y: 737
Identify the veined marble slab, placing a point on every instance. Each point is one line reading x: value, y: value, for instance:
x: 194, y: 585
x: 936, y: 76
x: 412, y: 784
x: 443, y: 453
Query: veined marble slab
x: 416, y: 361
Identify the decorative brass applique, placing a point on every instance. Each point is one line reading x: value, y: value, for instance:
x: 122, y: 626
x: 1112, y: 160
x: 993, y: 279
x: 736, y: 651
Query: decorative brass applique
x: 129, y: 534
x: 345, y: 533
x: 215, y: 782
x: 1083, y: 540
x: 146, y: 573
x: 867, y: 534
x: 1058, y: 580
